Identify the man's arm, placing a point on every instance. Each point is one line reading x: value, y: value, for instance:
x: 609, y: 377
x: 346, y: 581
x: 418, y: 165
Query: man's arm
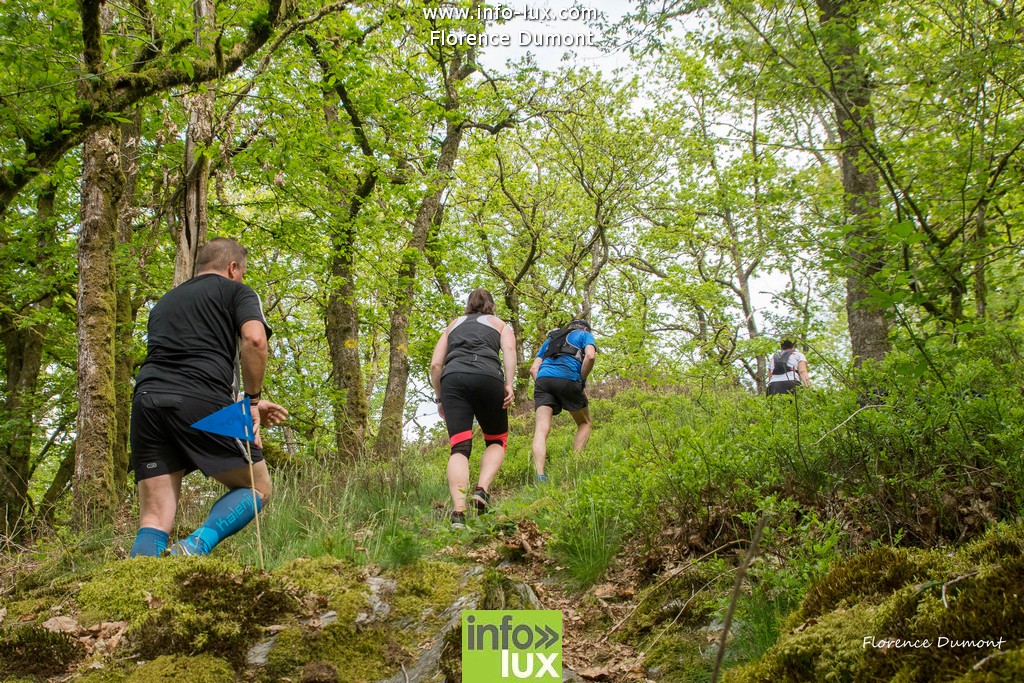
x: 535, y: 368
x: 254, y: 367
x: 588, y: 361
x: 801, y: 369
x: 254, y: 355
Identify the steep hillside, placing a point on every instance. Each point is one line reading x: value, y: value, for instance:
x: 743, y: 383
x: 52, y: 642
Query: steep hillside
x: 880, y: 555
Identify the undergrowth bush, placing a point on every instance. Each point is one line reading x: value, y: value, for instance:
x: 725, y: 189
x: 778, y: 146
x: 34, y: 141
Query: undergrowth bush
x: 895, y: 458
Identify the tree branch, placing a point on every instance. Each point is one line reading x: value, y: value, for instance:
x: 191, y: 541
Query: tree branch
x: 89, y: 113
x: 92, y: 42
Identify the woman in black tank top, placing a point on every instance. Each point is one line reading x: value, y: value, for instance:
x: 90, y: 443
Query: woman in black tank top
x: 471, y: 371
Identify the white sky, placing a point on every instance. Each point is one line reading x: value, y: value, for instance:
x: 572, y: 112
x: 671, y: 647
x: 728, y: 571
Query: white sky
x: 522, y: 32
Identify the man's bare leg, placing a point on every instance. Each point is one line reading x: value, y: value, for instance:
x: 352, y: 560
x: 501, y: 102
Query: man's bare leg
x: 583, y: 425
x: 541, y: 429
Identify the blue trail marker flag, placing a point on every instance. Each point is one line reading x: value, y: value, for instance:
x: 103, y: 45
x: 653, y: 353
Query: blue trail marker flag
x: 234, y: 421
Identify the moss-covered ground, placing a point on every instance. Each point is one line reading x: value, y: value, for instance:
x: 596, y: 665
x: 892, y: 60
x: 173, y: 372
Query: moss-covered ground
x: 195, y: 619
x: 909, y: 615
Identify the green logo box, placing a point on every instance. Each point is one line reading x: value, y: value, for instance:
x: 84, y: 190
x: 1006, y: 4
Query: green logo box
x: 511, y: 645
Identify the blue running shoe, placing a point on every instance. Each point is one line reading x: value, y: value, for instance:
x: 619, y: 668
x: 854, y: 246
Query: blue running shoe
x: 182, y: 548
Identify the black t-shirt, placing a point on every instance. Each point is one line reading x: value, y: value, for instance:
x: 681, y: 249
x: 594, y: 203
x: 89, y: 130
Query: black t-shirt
x: 193, y: 346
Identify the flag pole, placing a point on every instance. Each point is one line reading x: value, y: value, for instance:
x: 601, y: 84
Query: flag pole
x: 252, y: 481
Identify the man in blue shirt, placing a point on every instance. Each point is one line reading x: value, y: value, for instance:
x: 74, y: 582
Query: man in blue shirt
x: 560, y: 373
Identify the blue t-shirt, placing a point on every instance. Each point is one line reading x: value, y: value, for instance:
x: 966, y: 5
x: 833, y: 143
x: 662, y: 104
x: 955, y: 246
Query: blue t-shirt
x: 565, y: 366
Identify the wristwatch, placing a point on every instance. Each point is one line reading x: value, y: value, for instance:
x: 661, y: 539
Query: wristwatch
x: 253, y: 398
x: 437, y: 399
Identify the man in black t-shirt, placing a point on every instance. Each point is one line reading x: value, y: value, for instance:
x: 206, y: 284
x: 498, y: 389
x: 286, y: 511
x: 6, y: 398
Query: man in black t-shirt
x: 200, y: 334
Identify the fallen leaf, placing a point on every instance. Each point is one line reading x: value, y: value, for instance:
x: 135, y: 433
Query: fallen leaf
x: 151, y: 602
x: 596, y: 674
x: 110, y: 627
x: 27, y: 616
x: 806, y: 624
x: 114, y: 640
x: 62, y: 625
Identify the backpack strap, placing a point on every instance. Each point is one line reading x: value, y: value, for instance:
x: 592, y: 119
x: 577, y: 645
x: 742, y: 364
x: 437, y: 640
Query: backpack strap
x: 559, y: 346
x: 783, y: 358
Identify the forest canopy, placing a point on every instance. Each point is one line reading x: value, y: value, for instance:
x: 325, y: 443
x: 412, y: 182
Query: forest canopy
x: 843, y: 173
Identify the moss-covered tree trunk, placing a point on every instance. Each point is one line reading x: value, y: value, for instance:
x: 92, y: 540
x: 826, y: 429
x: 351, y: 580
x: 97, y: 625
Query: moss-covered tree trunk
x: 351, y: 410
x: 127, y: 306
x: 341, y: 317
x: 851, y: 93
x: 102, y: 185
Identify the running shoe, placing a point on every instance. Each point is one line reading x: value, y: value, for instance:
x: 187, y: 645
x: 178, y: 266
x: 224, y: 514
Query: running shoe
x: 458, y: 520
x: 182, y: 548
x: 481, y: 500
x: 540, y: 479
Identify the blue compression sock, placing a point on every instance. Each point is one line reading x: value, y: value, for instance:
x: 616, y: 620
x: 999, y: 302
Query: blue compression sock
x: 229, y: 514
x: 149, y: 542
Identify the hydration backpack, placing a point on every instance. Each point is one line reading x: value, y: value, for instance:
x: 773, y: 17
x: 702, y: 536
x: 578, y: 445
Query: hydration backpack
x: 780, y: 362
x: 558, y: 346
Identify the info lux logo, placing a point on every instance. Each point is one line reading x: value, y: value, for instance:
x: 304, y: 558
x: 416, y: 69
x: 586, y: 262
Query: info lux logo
x: 509, y: 645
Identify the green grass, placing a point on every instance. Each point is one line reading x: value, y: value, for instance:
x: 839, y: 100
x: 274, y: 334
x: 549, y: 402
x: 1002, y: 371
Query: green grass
x: 369, y: 514
x: 665, y: 478
x: 588, y: 546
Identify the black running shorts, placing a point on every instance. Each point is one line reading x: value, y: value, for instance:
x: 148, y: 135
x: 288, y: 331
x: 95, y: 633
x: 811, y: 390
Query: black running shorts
x: 467, y: 395
x: 783, y: 387
x: 163, y: 440
x: 559, y: 394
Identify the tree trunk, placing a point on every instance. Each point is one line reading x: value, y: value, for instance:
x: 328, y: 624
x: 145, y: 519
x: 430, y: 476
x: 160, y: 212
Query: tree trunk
x: 191, y: 234
x: 851, y: 96
x: 598, y: 258
x: 351, y: 411
x: 127, y: 307
x: 341, y: 318
x: 57, y: 488
x: 746, y: 305
x: 102, y: 185
x: 389, y: 437
x: 980, y: 282
x: 23, y: 352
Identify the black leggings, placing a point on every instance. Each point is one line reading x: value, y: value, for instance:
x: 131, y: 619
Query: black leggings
x: 465, y: 396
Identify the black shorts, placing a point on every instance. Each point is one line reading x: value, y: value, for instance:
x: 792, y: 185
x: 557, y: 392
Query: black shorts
x: 783, y: 387
x: 559, y: 394
x: 467, y: 395
x: 163, y: 440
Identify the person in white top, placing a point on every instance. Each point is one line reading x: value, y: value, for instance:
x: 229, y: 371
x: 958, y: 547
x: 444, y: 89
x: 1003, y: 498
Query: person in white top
x: 788, y: 370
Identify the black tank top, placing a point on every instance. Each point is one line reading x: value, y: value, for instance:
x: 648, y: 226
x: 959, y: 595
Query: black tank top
x: 473, y: 347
